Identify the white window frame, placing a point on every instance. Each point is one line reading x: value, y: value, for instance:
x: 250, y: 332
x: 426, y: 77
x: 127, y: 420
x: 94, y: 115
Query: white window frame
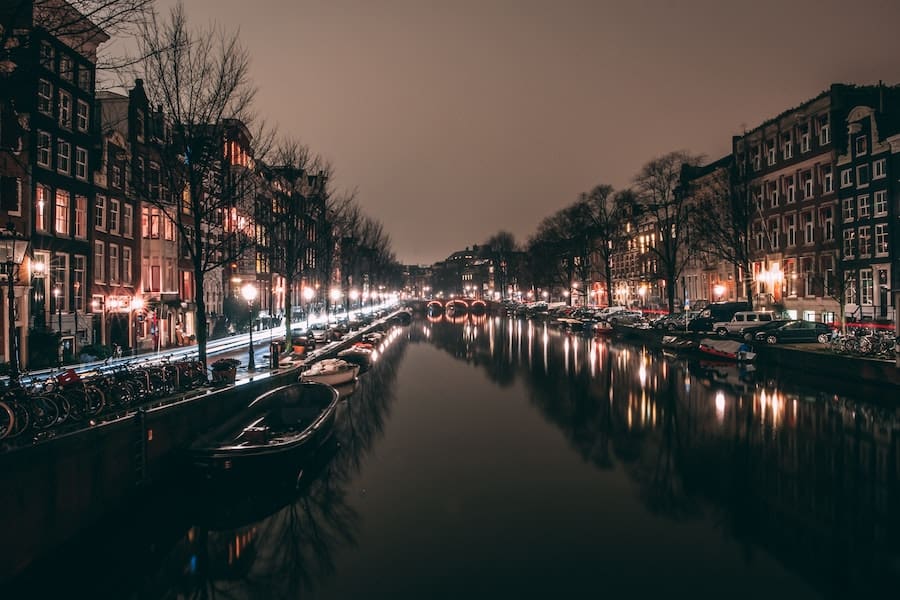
x: 866, y: 287
x: 804, y: 142
x: 61, y: 212
x: 790, y: 226
x: 827, y: 180
x: 43, y: 208
x: 81, y: 165
x: 848, y: 210
x: 81, y: 205
x: 113, y: 264
x: 879, y: 169
x: 112, y: 216
x: 790, y: 191
x: 863, y: 142
x: 17, y: 193
x: 827, y: 221
x: 864, y: 241
x: 45, y: 97
x: 82, y: 115
x: 787, y: 149
x: 44, y: 150
x: 127, y: 220
x: 63, y: 157
x: 846, y: 178
x: 808, y: 186
x: 809, y: 228
x: 824, y: 133
x: 864, y: 206
x: 65, y: 110
x: 770, y: 152
x: 880, y: 203
x: 849, y: 245
x: 66, y: 74
x: 881, y: 239
x: 99, y: 261
x: 859, y: 178
x: 127, y: 269
x: 47, y: 57
x: 100, y: 211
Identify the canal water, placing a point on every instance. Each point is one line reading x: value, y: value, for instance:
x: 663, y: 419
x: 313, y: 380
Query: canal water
x: 488, y: 457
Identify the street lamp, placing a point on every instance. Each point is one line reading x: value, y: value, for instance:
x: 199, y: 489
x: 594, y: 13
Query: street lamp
x: 249, y: 292
x: 719, y: 291
x: 13, y: 246
x: 137, y: 305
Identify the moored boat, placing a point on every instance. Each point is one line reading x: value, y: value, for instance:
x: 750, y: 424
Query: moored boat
x: 360, y: 354
x: 331, y: 371
x: 727, y: 349
x: 273, y: 429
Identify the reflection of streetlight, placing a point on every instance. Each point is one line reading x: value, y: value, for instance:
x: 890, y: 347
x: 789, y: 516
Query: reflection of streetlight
x: 37, y: 277
x: 13, y: 246
x: 308, y: 294
x: 137, y: 305
x: 354, y: 296
x: 249, y: 293
x: 335, y: 295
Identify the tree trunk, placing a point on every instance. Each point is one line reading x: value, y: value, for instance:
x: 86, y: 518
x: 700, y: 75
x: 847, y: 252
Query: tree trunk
x: 288, y: 309
x: 609, y: 282
x: 200, y: 324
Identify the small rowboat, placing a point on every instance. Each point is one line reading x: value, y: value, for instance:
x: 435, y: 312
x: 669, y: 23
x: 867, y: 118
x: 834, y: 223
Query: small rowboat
x: 331, y: 371
x: 727, y: 349
x: 270, y: 433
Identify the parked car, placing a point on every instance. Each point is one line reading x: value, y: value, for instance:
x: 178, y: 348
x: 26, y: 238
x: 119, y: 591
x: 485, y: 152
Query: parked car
x: 607, y: 311
x: 742, y: 319
x: 794, y: 331
x: 320, y: 332
x: 675, y: 321
x: 624, y: 316
x: 749, y: 333
x: 716, y: 312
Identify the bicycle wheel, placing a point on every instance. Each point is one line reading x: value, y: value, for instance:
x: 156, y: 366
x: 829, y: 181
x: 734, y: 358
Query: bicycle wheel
x: 94, y: 400
x: 7, y: 420
x: 44, y: 412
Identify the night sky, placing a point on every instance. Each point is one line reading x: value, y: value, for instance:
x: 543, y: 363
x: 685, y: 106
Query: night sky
x: 455, y: 119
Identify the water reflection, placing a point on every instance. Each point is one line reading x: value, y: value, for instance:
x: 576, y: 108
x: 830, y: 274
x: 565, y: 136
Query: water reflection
x: 281, y: 542
x: 785, y: 471
x: 785, y: 468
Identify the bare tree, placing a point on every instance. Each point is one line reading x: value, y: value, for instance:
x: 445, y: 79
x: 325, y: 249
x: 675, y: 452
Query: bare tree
x: 668, y: 214
x: 609, y: 214
x: 201, y: 80
x: 722, y: 217
x: 299, y: 185
x: 502, y: 245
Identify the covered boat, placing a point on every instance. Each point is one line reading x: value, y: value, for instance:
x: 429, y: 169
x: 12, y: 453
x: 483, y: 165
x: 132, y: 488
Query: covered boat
x: 331, y: 371
x: 728, y: 349
x: 360, y: 353
x: 271, y: 432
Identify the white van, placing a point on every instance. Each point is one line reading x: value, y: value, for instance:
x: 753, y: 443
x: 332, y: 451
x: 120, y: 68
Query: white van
x: 741, y: 319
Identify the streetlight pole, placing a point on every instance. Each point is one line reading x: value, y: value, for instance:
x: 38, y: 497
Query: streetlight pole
x: 249, y: 292
x: 57, y: 294
x: 13, y: 245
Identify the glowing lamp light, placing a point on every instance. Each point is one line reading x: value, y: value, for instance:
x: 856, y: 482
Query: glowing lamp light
x: 719, y: 290
x: 335, y: 294
x: 249, y: 292
x: 354, y: 295
x: 137, y: 304
x: 308, y: 293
